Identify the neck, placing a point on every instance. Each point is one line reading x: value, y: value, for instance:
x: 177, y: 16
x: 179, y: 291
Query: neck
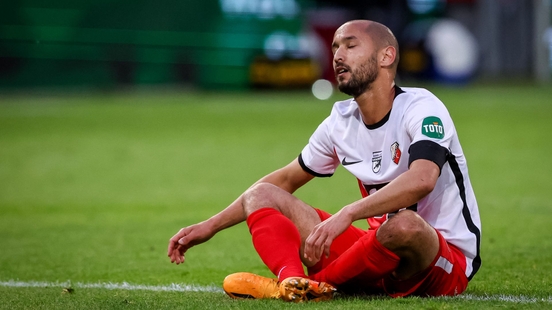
x: 376, y: 102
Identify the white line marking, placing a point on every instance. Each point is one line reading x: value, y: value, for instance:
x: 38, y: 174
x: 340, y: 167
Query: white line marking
x: 506, y: 298
x: 115, y: 286
x: 216, y: 289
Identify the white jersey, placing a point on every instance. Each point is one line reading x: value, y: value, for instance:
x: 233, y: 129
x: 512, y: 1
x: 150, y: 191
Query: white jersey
x: 417, y: 127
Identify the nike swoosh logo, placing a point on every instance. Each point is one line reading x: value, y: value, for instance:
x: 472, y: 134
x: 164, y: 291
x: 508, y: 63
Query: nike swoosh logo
x: 344, y: 162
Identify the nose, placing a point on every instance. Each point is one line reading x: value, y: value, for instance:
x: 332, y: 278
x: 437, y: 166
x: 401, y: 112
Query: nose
x: 338, y: 56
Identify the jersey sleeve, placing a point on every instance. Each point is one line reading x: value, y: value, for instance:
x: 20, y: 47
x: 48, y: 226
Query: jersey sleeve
x: 318, y: 157
x: 431, y: 128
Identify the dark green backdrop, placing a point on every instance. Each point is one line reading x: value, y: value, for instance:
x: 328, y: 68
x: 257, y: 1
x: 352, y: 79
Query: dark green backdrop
x: 210, y: 43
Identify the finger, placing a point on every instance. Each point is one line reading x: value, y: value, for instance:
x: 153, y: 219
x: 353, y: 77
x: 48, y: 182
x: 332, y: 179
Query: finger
x: 173, y: 242
x: 307, y: 253
x: 318, y: 248
x: 183, y: 244
x: 308, y: 248
x: 173, y: 256
x: 175, y: 251
x: 312, y: 240
x: 177, y: 257
x: 323, y: 246
x: 327, y: 246
x: 312, y: 248
x: 172, y: 246
x: 181, y: 257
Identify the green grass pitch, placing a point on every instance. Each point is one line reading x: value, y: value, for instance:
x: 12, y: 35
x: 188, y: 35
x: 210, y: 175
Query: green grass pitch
x: 92, y: 186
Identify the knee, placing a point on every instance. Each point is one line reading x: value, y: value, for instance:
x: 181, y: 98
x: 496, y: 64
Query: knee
x: 259, y: 191
x: 258, y: 196
x: 402, y: 230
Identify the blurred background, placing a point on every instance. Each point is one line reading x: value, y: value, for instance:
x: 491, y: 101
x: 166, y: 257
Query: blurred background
x: 245, y: 44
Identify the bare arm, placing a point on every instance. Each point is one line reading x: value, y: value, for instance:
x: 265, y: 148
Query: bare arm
x: 404, y: 191
x: 289, y: 178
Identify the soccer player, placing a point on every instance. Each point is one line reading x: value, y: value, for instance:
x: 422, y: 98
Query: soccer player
x: 402, y: 146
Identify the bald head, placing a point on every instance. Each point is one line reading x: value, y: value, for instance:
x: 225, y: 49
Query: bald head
x: 381, y: 36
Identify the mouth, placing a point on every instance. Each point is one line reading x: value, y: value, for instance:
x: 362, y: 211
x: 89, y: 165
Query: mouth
x: 341, y: 70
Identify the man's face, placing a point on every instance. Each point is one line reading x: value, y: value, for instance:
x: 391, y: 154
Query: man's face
x: 355, y: 60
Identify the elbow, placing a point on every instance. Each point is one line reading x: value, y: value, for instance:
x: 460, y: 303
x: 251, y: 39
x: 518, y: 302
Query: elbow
x: 424, y: 176
x: 426, y: 185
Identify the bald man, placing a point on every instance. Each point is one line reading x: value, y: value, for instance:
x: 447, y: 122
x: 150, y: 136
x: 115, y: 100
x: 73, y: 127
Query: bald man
x: 402, y: 146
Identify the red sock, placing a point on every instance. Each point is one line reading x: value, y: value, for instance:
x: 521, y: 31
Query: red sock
x: 277, y: 241
x: 367, y: 257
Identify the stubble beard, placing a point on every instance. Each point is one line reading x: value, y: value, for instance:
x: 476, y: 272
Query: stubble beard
x: 361, y: 79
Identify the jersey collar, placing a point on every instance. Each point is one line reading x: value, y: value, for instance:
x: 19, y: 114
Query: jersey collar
x: 384, y: 120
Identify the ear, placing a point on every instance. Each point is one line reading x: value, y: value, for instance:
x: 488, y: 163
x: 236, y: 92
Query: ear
x: 388, y: 56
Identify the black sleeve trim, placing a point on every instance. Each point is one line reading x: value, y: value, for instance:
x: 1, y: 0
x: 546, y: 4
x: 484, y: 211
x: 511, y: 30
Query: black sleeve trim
x: 429, y: 150
x: 308, y: 170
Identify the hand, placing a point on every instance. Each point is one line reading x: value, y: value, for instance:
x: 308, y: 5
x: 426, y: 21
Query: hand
x: 186, y: 238
x: 323, y: 234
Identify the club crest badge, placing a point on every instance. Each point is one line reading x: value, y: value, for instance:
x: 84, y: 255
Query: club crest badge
x: 395, y: 153
x: 376, y: 161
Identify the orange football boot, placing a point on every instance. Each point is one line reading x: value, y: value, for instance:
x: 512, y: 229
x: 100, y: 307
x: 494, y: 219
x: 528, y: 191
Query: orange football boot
x: 297, y: 289
x: 248, y: 285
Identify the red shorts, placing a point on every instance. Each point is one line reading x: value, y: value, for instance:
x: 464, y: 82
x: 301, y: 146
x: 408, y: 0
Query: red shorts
x: 445, y: 276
